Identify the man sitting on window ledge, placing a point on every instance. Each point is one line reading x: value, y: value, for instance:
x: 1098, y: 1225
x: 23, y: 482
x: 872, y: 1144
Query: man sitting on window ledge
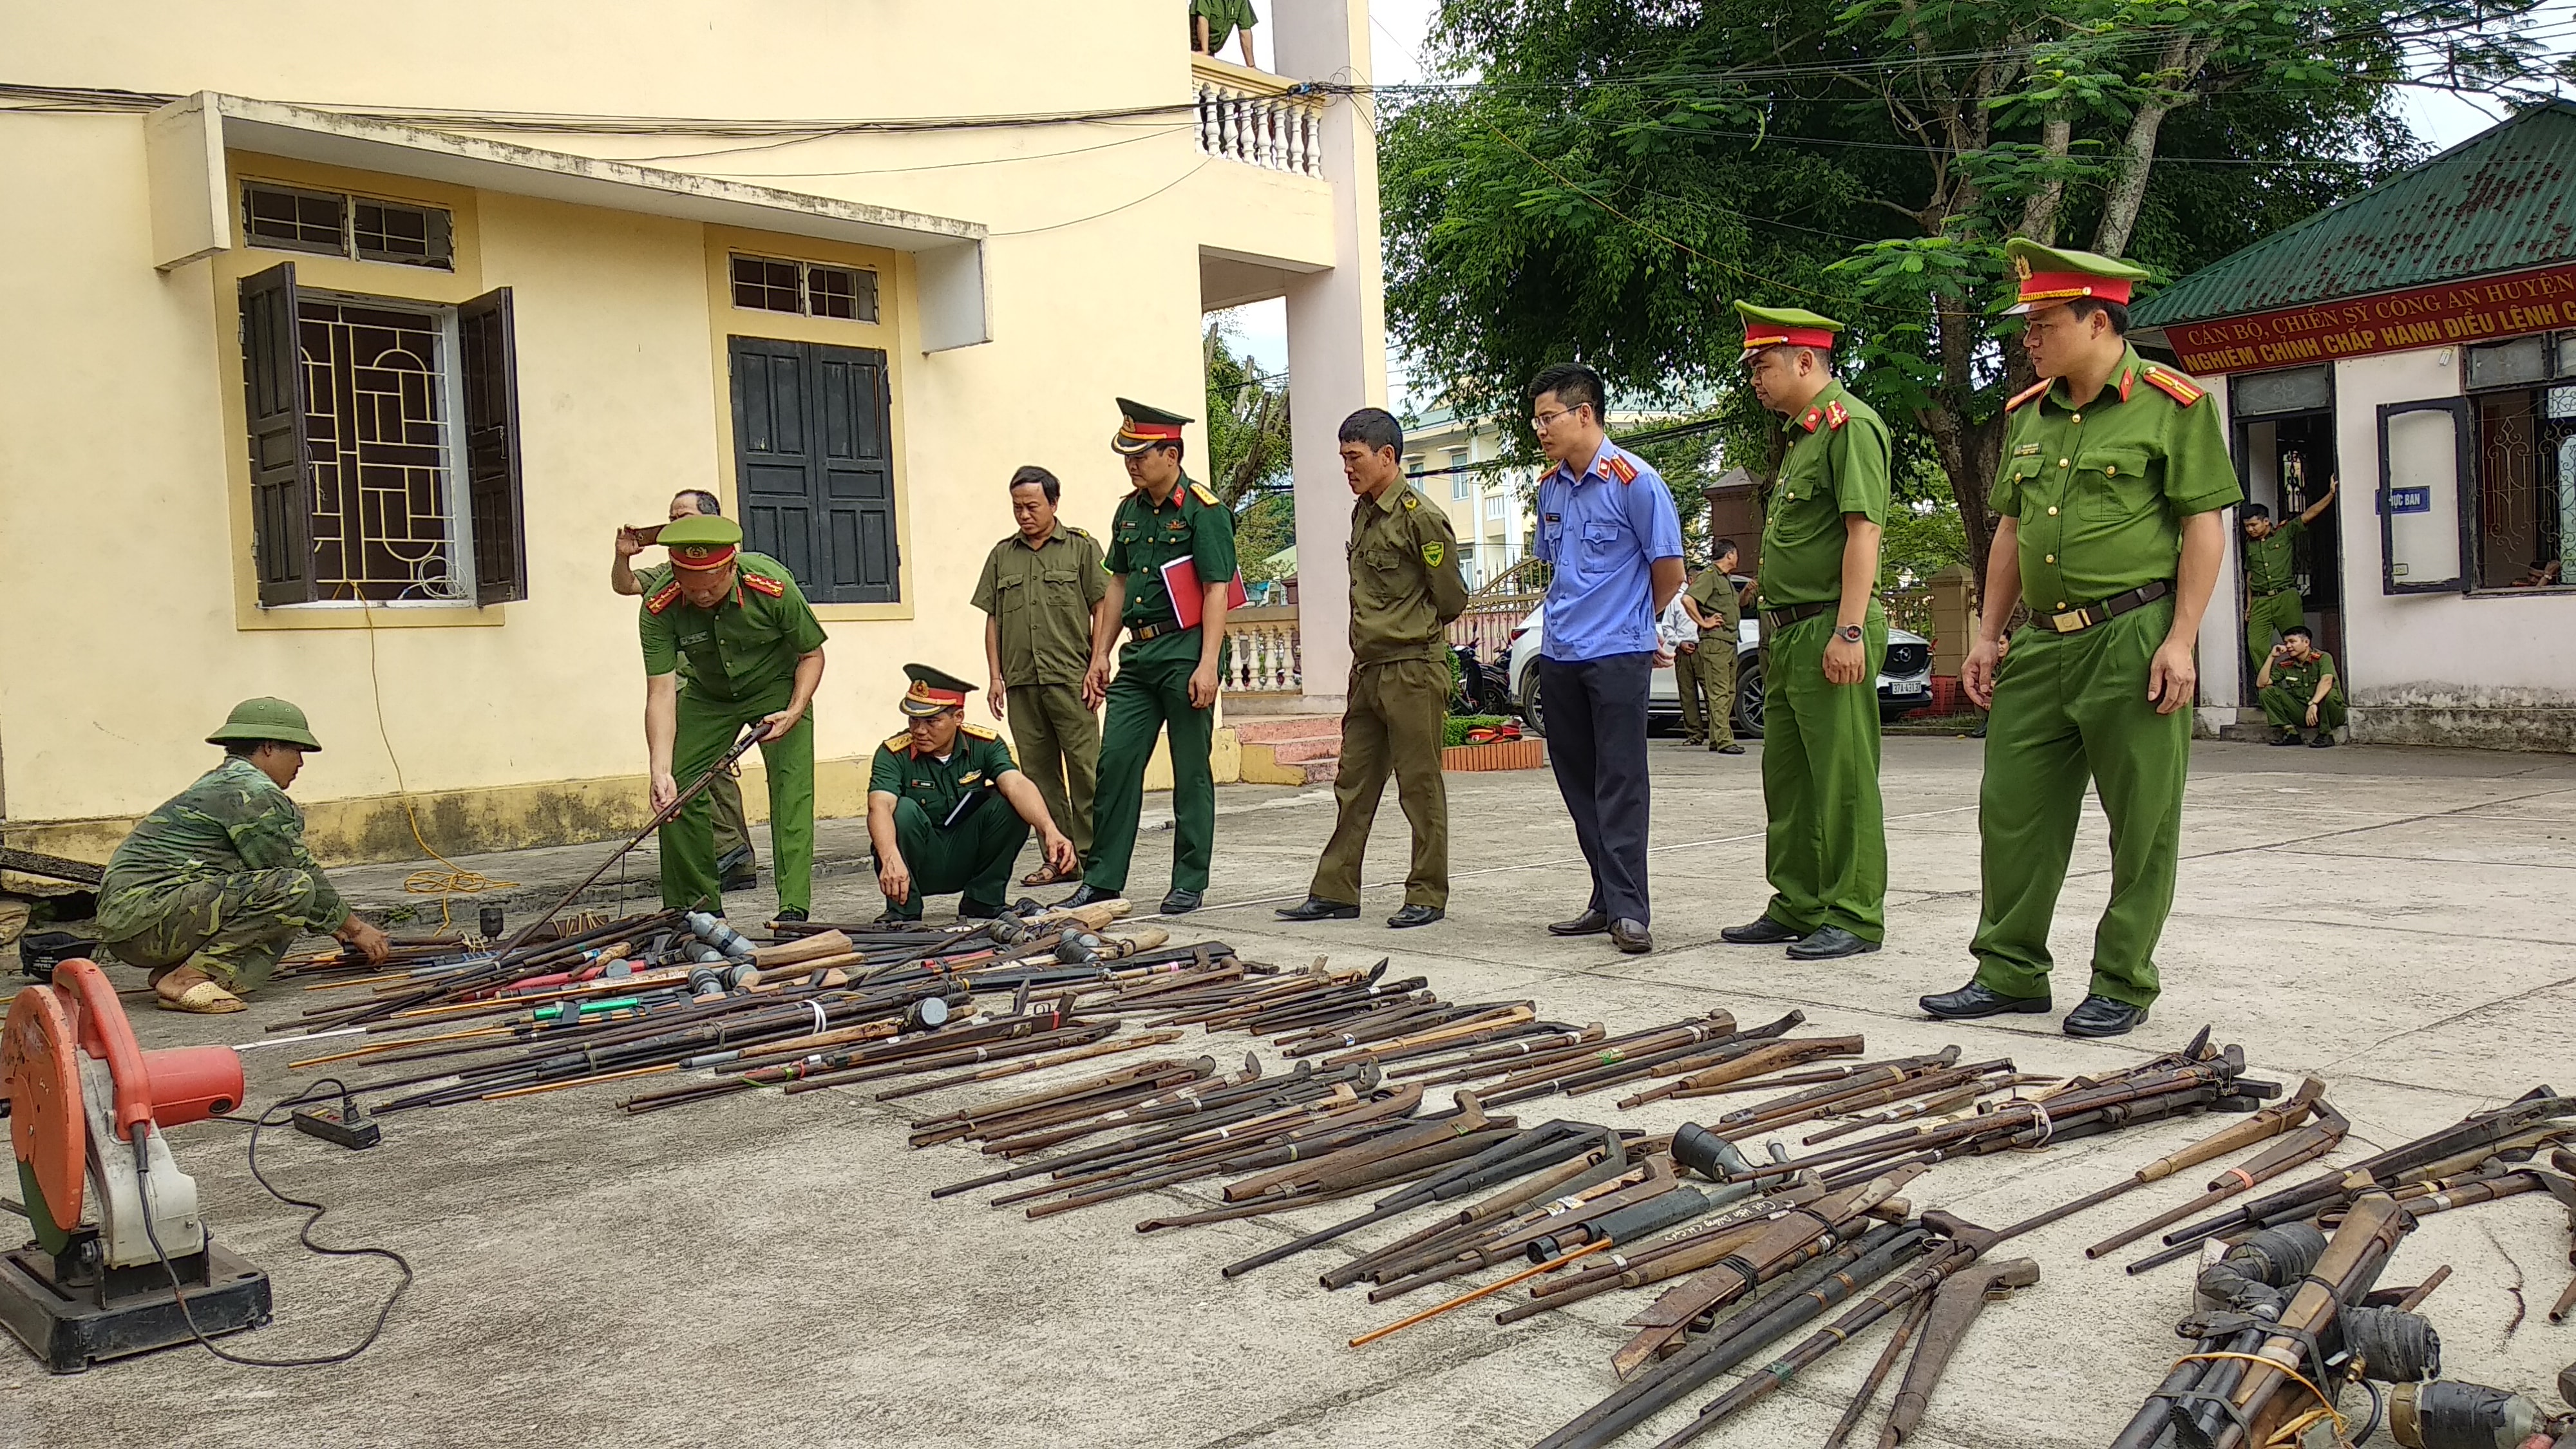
x: 1212, y: 20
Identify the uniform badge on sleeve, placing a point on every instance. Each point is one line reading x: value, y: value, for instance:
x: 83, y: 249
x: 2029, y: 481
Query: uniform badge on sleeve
x: 1433, y: 552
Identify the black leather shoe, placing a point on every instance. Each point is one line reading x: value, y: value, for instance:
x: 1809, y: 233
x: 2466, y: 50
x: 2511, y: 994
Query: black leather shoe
x: 2285, y: 737
x: 1760, y: 931
x: 1829, y: 942
x: 1181, y: 903
x: 2323, y: 741
x: 1316, y: 908
x: 1590, y: 923
x: 1974, y: 1000
x: 1631, y: 937
x: 1085, y: 894
x: 892, y: 917
x: 1412, y: 916
x: 1727, y: 749
x: 792, y: 913
x: 977, y: 911
x: 2101, y: 1016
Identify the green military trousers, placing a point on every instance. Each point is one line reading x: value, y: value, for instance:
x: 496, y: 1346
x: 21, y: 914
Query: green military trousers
x: 232, y: 927
x: 1392, y: 724
x: 1057, y: 739
x: 1148, y: 697
x: 708, y: 728
x: 2069, y: 707
x: 974, y: 856
x: 2267, y: 616
x: 1826, y: 847
x: 2288, y: 709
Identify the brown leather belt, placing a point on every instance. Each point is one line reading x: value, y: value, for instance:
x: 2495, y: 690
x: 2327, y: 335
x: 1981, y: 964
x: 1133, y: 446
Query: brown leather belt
x: 1794, y: 614
x: 2076, y: 621
x: 1143, y: 632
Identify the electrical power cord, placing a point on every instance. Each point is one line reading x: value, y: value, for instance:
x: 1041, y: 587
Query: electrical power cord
x: 321, y: 1090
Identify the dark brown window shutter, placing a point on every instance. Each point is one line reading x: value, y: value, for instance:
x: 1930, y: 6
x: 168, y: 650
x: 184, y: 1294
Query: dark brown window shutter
x: 488, y: 357
x: 281, y: 486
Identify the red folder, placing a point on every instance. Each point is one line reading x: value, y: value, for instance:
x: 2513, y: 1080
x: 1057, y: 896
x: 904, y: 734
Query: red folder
x: 1189, y: 596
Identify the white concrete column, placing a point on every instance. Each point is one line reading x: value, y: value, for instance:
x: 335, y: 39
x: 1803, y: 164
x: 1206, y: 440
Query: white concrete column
x: 1336, y: 331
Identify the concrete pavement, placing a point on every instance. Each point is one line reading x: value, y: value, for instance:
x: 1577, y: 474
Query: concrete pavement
x: 769, y: 1271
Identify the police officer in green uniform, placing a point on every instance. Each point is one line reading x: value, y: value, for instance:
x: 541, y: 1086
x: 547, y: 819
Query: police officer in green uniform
x: 2107, y: 510
x: 737, y: 863
x: 1405, y: 588
x: 2272, y: 603
x: 755, y: 656
x: 2297, y: 685
x: 1708, y: 668
x: 1042, y: 592
x: 1167, y: 673
x: 933, y: 812
x: 1827, y: 639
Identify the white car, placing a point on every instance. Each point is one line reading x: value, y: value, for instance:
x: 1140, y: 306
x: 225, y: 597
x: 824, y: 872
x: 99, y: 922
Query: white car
x: 1904, y: 684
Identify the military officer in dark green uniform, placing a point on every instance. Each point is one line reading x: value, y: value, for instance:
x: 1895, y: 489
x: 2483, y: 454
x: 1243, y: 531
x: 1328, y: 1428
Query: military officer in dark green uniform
x: 2272, y: 603
x: 1708, y: 669
x: 1405, y: 588
x: 2107, y: 510
x: 1042, y: 592
x: 737, y: 863
x: 2298, y: 686
x: 1167, y: 673
x: 948, y: 809
x: 1827, y: 639
x: 755, y: 653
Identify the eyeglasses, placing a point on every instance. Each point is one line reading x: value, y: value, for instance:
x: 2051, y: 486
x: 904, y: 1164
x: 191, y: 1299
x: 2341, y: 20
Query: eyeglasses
x: 1540, y: 422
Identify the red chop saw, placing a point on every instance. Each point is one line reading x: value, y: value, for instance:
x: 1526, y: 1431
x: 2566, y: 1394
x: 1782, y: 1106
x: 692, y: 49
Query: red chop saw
x: 87, y: 1108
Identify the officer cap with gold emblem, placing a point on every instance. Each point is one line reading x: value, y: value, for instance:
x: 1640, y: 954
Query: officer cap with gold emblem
x: 1785, y: 327
x: 932, y: 691
x: 2051, y: 277
x: 1141, y: 427
x: 702, y: 541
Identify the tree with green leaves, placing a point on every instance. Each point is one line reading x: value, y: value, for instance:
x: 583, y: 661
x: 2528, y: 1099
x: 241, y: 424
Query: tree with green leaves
x: 1247, y: 464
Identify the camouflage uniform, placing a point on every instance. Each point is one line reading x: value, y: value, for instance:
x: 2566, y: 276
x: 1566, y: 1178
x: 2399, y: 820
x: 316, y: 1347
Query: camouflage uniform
x: 217, y: 878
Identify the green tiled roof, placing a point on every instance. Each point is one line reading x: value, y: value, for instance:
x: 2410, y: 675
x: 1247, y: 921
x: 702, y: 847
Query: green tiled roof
x: 2500, y: 201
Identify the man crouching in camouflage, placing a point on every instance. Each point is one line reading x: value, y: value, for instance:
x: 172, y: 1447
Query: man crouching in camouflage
x: 210, y: 888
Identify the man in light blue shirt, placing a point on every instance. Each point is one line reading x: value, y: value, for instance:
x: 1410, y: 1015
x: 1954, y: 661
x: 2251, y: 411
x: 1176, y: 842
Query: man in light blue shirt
x: 1607, y: 526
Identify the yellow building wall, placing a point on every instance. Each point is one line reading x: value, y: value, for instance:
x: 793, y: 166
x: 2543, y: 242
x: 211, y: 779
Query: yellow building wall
x: 123, y: 456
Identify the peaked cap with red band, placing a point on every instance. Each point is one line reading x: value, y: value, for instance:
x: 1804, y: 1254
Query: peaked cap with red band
x: 932, y: 691
x: 1785, y: 327
x: 702, y: 541
x: 1141, y: 427
x: 2050, y: 277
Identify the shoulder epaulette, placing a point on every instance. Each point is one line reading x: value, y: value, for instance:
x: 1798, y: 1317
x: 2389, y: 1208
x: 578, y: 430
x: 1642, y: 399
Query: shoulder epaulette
x: 764, y: 584
x: 1620, y: 468
x: 2174, y: 385
x: 670, y: 594
x: 1069, y: 528
x: 899, y: 741
x: 2027, y: 394
x: 980, y: 732
x: 1204, y: 496
x: 1836, y: 415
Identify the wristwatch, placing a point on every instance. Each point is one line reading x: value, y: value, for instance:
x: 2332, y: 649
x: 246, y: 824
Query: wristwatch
x: 1848, y: 633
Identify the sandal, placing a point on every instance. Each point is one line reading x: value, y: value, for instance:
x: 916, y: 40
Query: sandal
x: 1046, y: 876
x: 204, y: 998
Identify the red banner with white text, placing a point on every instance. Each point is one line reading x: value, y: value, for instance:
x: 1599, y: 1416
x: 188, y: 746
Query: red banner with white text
x: 2446, y: 314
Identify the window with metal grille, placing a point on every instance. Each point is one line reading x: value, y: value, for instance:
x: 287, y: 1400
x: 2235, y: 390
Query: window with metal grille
x: 2522, y: 399
x: 774, y: 284
x: 335, y: 224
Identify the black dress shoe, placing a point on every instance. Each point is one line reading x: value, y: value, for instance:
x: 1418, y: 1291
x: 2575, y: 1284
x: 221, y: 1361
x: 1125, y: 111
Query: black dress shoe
x: 1181, y: 903
x: 791, y: 913
x: 747, y: 881
x: 1412, y: 916
x: 2323, y: 741
x: 2285, y: 737
x: 1760, y: 931
x: 1829, y: 942
x: 1974, y: 1000
x: 2102, y: 1016
x: 1316, y: 908
x: 977, y: 911
x: 1590, y: 923
x: 1631, y: 937
x: 1086, y: 894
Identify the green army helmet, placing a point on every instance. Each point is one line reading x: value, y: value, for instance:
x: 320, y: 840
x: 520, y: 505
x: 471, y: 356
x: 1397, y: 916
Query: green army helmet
x: 932, y: 691
x: 1785, y: 326
x: 2050, y: 276
x: 265, y: 718
x: 702, y: 541
x: 1141, y: 427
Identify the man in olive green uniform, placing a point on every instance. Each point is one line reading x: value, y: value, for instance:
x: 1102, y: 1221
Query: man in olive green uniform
x: 2107, y: 526
x: 1167, y: 673
x: 1042, y: 591
x: 1405, y: 589
x: 1827, y: 639
x: 211, y: 887
x: 933, y: 815
x: 2298, y: 687
x: 736, y: 861
x: 2272, y: 603
x: 1708, y: 667
x: 755, y: 657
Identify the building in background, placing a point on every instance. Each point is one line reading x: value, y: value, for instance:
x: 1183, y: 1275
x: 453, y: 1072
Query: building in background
x: 2419, y: 342
x: 343, y: 349
x: 1458, y: 461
